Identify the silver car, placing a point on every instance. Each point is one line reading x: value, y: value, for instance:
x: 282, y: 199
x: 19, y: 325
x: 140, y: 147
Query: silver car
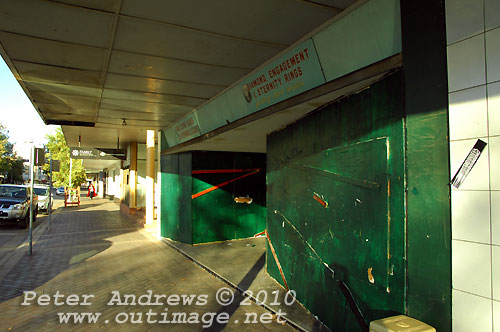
x: 15, y: 204
x: 60, y: 191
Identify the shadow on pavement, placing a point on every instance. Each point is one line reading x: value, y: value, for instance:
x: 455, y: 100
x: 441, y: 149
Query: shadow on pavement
x: 245, y: 271
x: 238, y: 297
x: 76, y: 235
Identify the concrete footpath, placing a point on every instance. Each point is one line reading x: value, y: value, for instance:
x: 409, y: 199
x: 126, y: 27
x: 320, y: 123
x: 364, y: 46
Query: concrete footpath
x: 242, y: 264
x: 95, y: 270
x: 15, y: 240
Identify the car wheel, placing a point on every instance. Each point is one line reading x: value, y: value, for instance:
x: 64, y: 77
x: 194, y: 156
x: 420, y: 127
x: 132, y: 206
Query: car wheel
x: 23, y: 223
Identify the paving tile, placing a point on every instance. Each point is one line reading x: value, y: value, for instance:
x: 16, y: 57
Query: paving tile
x: 92, y: 249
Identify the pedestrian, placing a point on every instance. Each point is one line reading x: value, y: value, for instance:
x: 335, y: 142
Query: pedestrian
x: 91, y: 192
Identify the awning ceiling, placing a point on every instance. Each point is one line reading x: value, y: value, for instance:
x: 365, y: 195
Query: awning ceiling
x: 143, y: 63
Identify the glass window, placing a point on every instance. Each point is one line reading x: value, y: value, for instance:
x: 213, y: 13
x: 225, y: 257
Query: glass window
x: 12, y: 191
x: 41, y: 191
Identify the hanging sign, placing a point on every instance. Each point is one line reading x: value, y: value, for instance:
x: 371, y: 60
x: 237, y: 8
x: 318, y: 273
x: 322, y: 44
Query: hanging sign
x: 293, y: 73
x: 39, y: 157
x: 187, y: 128
x: 97, y: 153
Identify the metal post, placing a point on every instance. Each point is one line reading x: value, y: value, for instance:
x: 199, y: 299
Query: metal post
x: 32, y: 166
x: 50, y: 197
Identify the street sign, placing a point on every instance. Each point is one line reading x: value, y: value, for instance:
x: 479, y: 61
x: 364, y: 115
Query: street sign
x: 39, y: 157
x: 97, y: 153
x: 56, y: 165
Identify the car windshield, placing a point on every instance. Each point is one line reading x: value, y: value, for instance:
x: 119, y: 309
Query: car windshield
x: 17, y: 192
x: 41, y: 191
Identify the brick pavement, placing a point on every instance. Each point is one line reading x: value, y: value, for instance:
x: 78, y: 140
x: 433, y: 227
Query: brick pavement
x: 93, y: 250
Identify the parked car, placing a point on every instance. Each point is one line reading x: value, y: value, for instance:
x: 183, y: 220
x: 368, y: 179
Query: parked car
x: 43, y: 197
x: 60, y: 191
x: 15, y: 204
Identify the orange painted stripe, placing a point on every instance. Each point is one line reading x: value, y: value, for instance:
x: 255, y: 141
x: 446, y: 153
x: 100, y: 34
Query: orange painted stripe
x: 320, y: 201
x: 276, y: 260
x: 206, y: 191
x: 261, y: 233
x: 218, y: 171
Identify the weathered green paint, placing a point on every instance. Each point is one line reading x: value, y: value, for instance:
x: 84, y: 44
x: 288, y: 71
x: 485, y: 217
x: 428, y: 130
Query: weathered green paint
x: 214, y: 216
x: 426, y: 104
x: 250, y: 217
x: 350, y: 154
x: 176, y: 187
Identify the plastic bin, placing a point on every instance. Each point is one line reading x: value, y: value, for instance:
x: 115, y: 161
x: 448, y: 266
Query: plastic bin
x: 400, y: 323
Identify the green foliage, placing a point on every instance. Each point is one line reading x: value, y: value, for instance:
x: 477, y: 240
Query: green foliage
x: 15, y: 173
x: 6, y: 150
x: 59, y: 150
x: 11, y: 165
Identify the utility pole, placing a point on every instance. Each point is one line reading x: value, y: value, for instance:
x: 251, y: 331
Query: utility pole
x: 50, y: 196
x: 37, y: 159
x: 54, y: 167
x: 32, y: 166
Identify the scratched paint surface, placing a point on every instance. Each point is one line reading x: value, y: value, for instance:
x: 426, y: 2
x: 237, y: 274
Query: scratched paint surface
x: 351, y: 156
x: 216, y: 216
x: 212, y: 215
x: 176, y: 187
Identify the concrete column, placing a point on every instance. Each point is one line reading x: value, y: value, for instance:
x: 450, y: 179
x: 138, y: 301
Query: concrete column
x: 100, y: 185
x: 133, y: 176
x: 121, y: 181
x: 150, y: 176
x: 427, y: 202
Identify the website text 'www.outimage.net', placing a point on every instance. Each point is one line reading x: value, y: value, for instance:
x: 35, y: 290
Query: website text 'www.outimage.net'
x: 162, y: 308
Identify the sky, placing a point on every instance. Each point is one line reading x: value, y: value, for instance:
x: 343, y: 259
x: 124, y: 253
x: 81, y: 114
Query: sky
x: 19, y: 116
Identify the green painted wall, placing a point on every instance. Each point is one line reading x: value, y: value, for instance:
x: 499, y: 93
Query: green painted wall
x: 176, y: 184
x: 426, y: 104
x: 350, y: 154
x: 216, y: 216
x: 213, y: 216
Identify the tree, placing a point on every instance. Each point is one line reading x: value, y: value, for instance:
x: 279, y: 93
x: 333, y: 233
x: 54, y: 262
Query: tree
x: 11, y: 165
x: 15, y: 173
x: 6, y: 150
x: 59, y: 150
